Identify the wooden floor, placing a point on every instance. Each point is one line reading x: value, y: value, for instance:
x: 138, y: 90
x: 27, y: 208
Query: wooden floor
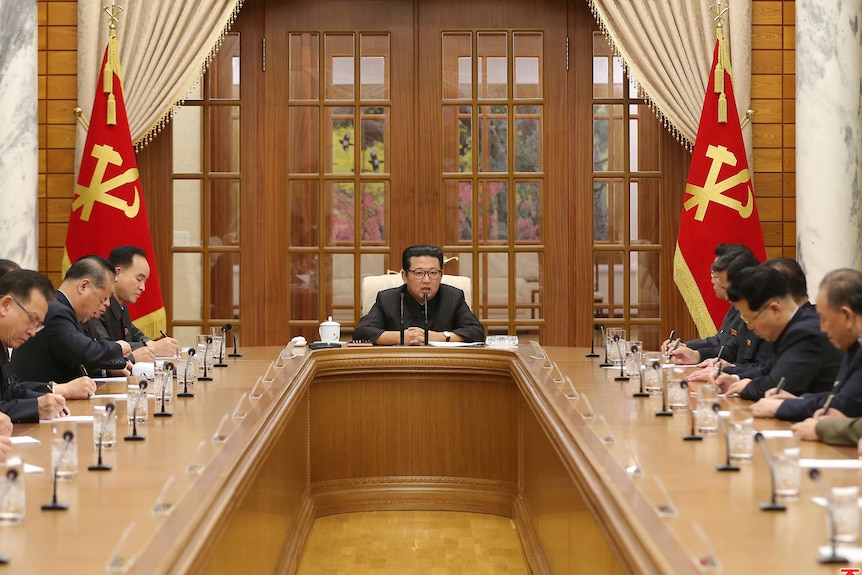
x: 413, y: 542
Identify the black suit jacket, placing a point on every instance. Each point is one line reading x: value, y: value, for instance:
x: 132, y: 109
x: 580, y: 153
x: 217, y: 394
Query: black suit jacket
x: 16, y: 401
x: 57, y: 352
x: 447, y: 311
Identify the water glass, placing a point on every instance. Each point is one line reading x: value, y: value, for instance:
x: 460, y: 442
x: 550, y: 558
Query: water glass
x: 785, y: 462
x: 64, y: 450
x: 104, y: 423
x: 186, y: 371
x: 163, y: 386
x: 204, y: 350
x: 616, y: 341
x: 706, y: 417
x: 676, y: 394
x: 136, y: 402
x: 845, y: 507
x: 740, y: 432
x: 13, y: 502
x: 634, y: 349
x: 218, y: 342
x: 651, y: 361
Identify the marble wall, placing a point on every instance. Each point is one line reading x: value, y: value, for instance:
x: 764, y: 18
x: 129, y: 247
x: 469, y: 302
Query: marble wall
x: 828, y: 136
x: 19, y: 131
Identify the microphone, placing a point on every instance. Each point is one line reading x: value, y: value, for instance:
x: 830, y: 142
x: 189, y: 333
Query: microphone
x: 99, y: 466
x: 221, y: 362
x: 593, y: 343
x: 167, y: 379
x: 833, y: 556
x: 605, y: 363
x: 771, y: 505
x: 622, y: 376
x: 134, y: 436
x: 204, y: 377
x: 401, y: 324
x: 665, y: 412
x: 727, y: 465
x: 234, y: 353
x: 425, y: 310
x: 68, y: 436
x: 186, y: 392
x: 692, y: 436
x: 641, y: 392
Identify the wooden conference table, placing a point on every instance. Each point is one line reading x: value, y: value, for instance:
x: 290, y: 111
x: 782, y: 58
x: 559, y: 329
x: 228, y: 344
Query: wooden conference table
x: 483, y: 430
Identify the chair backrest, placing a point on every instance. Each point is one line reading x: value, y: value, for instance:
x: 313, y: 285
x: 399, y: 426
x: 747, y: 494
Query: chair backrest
x: 373, y: 284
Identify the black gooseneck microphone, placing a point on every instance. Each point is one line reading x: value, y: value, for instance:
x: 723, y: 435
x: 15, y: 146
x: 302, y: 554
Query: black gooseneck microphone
x: 425, y: 310
x: 55, y: 505
x: 401, y: 320
x: 692, y: 436
x: 640, y: 392
x: 134, y: 436
x: 768, y: 505
x: 234, y: 353
x: 169, y: 377
x: 833, y: 557
x: 205, y: 377
x: 727, y: 465
x: 221, y: 362
x: 665, y: 412
x: 605, y: 363
x: 99, y: 466
x: 185, y: 392
x: 622, y: 376
x: 593, y: 343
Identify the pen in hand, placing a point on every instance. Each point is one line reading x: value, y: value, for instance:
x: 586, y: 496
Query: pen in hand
x: 84, y: 371
x: 50, y: 385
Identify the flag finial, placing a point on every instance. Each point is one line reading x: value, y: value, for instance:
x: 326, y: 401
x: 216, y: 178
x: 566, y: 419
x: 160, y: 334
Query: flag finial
x: 113, y: 12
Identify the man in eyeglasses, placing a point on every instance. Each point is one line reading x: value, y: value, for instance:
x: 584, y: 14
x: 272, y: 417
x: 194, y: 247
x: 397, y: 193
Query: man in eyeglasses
x: 62, y: 352
x: 24, y: 296
x: 803, y: 354
x: 449, y: 317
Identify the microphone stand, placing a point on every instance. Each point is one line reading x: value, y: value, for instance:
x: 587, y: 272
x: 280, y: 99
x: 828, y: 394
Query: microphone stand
x: 221, y: 362
x: 109, y: 410
x: 235, y: 353
x: 833, y: 557
x: 605, y: 363
x: 425, y: 309
x: 186, y: 392
x: 772, y: 505
x: 665, y: 412
x: 134, y: 436
x: 727, y: 465
x: 401, y: 324
x: 204, y: 377
x: 622, y: 376
x: 169, y: 376
x: 593, y: 344
x: 641, y: 392
x: 11, y: 476
x: 692, y: 436
x: 55, y: 505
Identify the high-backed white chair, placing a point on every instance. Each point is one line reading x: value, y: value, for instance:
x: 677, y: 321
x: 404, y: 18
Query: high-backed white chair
x: 373, y: 284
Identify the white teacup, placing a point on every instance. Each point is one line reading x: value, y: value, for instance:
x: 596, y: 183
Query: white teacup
x: 330, y: 330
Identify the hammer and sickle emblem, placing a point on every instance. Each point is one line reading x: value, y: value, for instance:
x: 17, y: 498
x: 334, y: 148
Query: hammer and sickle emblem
x: 98, y: 189
x: 713, y: 190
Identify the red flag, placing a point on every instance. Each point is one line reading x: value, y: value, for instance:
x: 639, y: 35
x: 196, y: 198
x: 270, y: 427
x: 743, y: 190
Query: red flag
x: 719, y: 204
x: 108, y: 207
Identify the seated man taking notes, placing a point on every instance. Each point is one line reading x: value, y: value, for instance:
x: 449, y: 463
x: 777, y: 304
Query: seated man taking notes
x: 449, y: 317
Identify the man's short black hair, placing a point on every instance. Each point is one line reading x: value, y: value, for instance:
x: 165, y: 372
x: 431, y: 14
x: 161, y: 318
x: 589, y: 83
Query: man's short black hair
x: 740, y: 260
x: 94, y: 268
x: 420, y: 251
x: 843, y: 287
x: 8, y: 266
x: 722, y: 249
x: 792, y: 272
x: 20, y: 284
x: 757, y: 285
x: 122, y: 256
x: 737, y: 256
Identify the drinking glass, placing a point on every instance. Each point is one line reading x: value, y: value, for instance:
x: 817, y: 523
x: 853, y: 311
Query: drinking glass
x: 186, y: 369
x: 102, y: 420
x: 14, y: 502
x: 673, y: 378
x: 64, y: 458
x: 616, y: 342
x: 740, y: 432
x: 163, y: 386
x: 785, y: 463
x: 205, y: 350
x: 652, y: 371
x: 136, y: 402
x: 633, y: 350
x: 707, y: 418
x: 845, y: 507
x: 218, y: 342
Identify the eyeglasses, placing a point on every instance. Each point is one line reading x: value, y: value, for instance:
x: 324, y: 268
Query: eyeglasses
x: 757, y: 315
x: 35, y: 322
x: 432, y: 274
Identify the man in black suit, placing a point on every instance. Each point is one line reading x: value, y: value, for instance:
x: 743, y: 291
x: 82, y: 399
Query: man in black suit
x: 62, y: 352
x: 449, y: 317
x: 24, y: 296
x: 801, y: 352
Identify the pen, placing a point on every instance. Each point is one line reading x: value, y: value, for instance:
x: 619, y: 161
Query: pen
x: 676, y: 343
x: 50, y: 386
x: 780, y: 385
x: 829, y: 399
x: 84, y: 371
x: 161, y: 331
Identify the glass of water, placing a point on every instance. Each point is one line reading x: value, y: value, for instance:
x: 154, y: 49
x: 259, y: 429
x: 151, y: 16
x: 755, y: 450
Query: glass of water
x: 740, y: 432
x: 64, y: 449
x: 14, y: 504
x: 785, y: 463
x: 706, y: 416
x: 104, y: 424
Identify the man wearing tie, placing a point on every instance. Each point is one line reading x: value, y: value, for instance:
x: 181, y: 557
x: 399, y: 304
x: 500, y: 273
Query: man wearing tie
x: 449, y: 317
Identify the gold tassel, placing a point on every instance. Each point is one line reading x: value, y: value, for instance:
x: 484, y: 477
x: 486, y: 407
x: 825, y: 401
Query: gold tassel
x: 107, y: 78
x: 722, y: 108
x: 112, y: 111
x: 719, y: 78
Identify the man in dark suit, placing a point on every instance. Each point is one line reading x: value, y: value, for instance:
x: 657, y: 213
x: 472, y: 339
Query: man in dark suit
x: 449, y: 317
x: 24, y: 296
x: 62, y: 352
x: 801, y: 352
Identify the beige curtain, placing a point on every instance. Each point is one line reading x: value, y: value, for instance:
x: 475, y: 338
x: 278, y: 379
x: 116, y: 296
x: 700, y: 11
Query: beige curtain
x: 667, y: 46
x: 165, y: 46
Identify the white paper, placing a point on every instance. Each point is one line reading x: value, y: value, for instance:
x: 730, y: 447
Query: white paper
x: 822, y: 502
x: 852, y: 554
x: 25, y: 440
x: 28, y: 468
x: 831, y: 463
x: 70, y: 418
x: 455, y: 343
x: 144, y: 369
x: 110, y: 379
x: 767, y: 433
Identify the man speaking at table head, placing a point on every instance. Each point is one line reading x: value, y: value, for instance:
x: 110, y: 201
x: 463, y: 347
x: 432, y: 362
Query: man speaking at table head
x: 449, y: 317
